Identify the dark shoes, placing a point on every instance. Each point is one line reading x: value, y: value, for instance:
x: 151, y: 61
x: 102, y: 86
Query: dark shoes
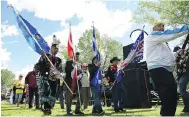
x: 78, y: 112
x: 185, y: 110
x: 70, y: 113
x: 47, y: 111
x: 119, y: 110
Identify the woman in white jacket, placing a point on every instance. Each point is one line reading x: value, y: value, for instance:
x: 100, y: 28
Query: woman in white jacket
x: 161, y: 61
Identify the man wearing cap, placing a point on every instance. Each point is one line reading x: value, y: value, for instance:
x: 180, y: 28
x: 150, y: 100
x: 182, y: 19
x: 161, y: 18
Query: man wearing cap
x: 117, y: 87
x: 19, y: 90
x: 31, y: 83
x: 49, y: 76
x: 161, y: 61
x: 69, y: 69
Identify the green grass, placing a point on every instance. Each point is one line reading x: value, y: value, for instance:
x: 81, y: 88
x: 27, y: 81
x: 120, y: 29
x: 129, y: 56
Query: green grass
x: 12, y: 110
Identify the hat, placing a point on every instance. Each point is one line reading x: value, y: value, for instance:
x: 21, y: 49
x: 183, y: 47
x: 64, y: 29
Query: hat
x: 158, y: 22
x: 55, y: 41
x: 114, y: 59
x: 77, y: 53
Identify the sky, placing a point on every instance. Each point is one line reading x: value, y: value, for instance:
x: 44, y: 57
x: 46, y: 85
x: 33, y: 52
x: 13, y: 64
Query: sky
x: 49, y: 17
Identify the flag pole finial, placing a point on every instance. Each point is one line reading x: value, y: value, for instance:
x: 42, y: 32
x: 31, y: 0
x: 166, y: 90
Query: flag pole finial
x: 143, y: 27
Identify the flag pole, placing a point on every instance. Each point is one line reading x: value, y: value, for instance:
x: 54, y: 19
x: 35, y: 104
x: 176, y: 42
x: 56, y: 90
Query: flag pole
x: 38, y: 44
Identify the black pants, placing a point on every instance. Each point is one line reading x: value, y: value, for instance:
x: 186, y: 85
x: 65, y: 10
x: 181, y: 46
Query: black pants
x: 32, y: 92
x: 167, y: 90
x: 49, y: 91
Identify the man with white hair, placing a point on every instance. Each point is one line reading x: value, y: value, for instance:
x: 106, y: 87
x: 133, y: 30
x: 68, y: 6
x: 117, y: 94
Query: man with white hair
x: 161, y: 61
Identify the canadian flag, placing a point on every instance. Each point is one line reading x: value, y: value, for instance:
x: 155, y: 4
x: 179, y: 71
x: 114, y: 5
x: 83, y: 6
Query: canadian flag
x: 70, y: 47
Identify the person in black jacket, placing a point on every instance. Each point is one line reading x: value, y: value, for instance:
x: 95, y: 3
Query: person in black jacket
x: 117, y: 87
x: 97, y: 107
x: 69, y: 67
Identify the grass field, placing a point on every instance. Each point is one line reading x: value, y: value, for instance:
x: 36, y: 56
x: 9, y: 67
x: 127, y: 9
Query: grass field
x: 12, y: 110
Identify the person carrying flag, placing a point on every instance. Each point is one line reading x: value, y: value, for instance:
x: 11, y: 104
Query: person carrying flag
x: 49, y: 77
x: 117, y: 87
x: 69, y: 69
x: 161, y: 61
x: 93, y: 70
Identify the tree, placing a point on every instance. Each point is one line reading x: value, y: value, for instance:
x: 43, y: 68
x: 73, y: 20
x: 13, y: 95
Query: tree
x: 7, y: 78
x: 171, y: 12
x: 110, y: 48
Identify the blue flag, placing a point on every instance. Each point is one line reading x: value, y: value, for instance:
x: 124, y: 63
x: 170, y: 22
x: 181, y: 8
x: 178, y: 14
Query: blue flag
x: 96, y: 81
x: 30, y: 33
x: 95, y: 46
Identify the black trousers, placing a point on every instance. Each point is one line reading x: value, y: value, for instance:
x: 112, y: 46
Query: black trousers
x: 32, y: 92
x: 167, y: 90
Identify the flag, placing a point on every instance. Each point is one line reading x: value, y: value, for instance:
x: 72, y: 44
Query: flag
x: 95, y: 46
x: 119, y: 76
x: 136, y: 53
x: 74, y: 78
x: 96, y: 81
x: 70, y: 47
x: 34, y: 39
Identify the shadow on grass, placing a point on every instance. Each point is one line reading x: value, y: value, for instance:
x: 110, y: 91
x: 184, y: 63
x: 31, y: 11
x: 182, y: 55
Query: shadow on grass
x: 184, y: 114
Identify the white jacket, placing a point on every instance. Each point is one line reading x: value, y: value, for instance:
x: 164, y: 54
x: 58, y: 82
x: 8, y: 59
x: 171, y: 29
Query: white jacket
x: 158, y: 53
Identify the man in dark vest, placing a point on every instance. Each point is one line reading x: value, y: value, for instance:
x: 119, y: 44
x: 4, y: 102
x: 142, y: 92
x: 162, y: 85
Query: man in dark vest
x: 49, y: 77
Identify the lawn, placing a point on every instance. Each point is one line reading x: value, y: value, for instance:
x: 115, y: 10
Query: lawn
x: 12, y: 110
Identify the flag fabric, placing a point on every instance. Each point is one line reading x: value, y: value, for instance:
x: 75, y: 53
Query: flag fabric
x: 95, y: 46
x: 74, y: 78
x: 96, y: 81
x: 31, y: 35
x: 119, y: 76
x: 136, y: 53
x: 70, y: 47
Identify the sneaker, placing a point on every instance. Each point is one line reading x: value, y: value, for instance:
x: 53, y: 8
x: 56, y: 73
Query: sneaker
x: 79, y: 112
x: 101, y: 112
x: 122, y: 110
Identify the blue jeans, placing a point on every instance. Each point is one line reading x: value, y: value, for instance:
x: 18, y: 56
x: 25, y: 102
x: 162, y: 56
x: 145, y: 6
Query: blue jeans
x: 96, y: 97
x: 118, y: 91
x: 183, y: 82
x: 18, y: 98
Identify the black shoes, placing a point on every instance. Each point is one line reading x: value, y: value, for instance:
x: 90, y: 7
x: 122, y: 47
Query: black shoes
x: 78, y: 112
x: 47, y: 111
x: 119, y: 110
x: 185, y: 110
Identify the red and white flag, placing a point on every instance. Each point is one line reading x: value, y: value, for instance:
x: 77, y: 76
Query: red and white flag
x: 70, y: 47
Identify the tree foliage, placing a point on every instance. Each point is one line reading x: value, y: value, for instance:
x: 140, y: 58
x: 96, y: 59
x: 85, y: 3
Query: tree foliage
x: 7, y: 78
x: 171, y: 12
x: 109, y: 47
